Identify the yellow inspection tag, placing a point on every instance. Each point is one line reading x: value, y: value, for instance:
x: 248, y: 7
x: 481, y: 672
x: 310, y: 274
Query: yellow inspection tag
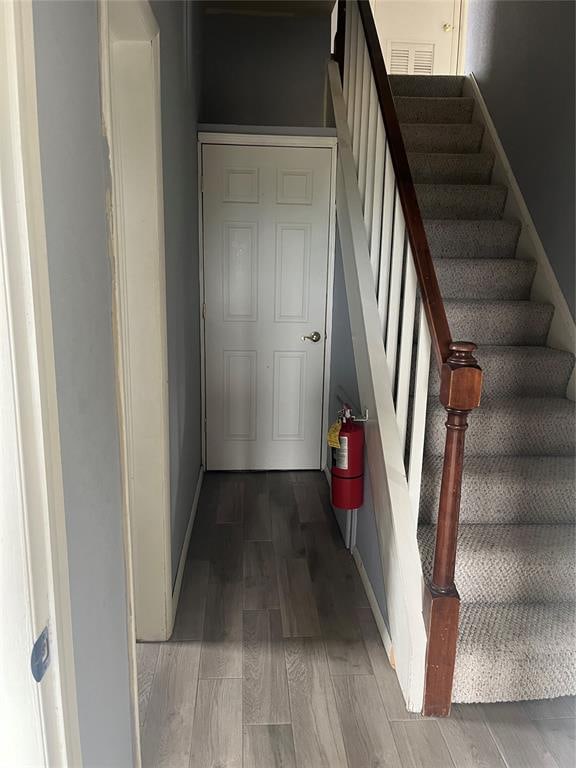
x: 334, y: 434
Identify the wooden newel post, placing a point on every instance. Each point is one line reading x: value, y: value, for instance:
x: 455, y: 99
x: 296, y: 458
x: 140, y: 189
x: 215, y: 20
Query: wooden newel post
x: 460, y: 390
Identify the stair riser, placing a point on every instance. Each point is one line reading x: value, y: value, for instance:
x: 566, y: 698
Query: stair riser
x: 500, y: 324
x: 510, y: 563
x: 509, y: 431
x: 481, y: 279
x: 420, y: 85
x: 528, y: 495
x: 450, y: 169
x: 472, y: 239
x: 439, y: 201
x: 440, y: 138
x: 434, y: 110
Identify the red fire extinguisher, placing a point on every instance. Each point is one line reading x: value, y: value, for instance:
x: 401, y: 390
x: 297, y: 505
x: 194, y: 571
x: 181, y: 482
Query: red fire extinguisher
x: 348, y: 464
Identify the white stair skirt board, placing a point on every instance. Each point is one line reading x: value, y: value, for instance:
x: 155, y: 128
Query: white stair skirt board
x: 267, y: 272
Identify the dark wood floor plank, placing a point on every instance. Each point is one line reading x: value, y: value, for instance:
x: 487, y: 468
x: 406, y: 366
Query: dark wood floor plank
x: 167, y: 734
x: 308, y: 503
x: 421, y: 745
x: 222, y: 638
x: 265, y: 688
x: 286, y: 530
x: 297, y: 603
x: 367, y: 734
x: 146, y: 660
x: 226, y: 554
x: 269, y: 746
x: 559, y: 735
x: 217, y: 731
x: 230, y: 501
x: 518, y: 739
x: 469, y: 741
x: 257, y: 517
x: 189, y: 622
x: 347, y: 654
x: 565, y: 706
x: 316, y: 726
x: 260, y: 577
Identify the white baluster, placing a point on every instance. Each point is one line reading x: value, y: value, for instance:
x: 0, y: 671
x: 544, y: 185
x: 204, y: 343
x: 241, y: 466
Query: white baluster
x: 352, y: 63
x: 360, y: 46
x: 389, y: 194
x: 346, y: 74
x: 420, y: 400
x: 378, y: 186
x: 370, y: 159
x: 364, y: 112
x: 406, y: 345
x: 396, y: 267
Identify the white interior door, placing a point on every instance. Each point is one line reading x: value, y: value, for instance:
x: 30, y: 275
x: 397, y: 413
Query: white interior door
x: 266, y: 230
x: 419, y: 37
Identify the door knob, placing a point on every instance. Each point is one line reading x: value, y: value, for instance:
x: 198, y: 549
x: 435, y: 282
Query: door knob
x: 314, y: 336
x: 447, y: 27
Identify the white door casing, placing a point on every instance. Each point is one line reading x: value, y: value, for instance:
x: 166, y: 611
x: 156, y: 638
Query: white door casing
x: 266, y: 234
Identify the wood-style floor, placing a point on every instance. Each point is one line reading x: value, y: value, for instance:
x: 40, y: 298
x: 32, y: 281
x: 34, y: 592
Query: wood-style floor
x: 276, y: 661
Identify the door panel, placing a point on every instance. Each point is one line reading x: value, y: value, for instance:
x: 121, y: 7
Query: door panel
x: 266, y: 226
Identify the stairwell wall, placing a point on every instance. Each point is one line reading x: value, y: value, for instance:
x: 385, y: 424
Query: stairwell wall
x: 522, y: 53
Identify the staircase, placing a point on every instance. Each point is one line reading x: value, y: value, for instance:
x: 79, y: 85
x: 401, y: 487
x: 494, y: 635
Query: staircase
x: 516, y: 563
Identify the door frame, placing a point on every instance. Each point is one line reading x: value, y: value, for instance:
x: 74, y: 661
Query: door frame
x: 32, y: 420
x: 272, y: 140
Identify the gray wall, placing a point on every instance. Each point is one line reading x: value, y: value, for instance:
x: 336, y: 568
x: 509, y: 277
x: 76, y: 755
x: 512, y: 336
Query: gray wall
x: 265, y: 70
x: 75, y: 182
x: 180, y: 101
x: 343, y: 375
x: 73, y: 160
x: 522, y: 53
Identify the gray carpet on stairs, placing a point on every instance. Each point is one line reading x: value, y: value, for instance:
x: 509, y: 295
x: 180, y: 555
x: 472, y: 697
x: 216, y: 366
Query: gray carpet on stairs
x: 516, y: 566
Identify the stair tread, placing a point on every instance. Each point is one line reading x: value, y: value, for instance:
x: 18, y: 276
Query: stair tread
x: 434, y: 109
x: 506, y: 489
x: 518, y: 426
x: 427, y: 85
x: 456, y: 138
x: 484, y: 278
x: 515, y: 651
x: 520, y: 371
x: 451, y: 167
x: 461, y: 201
x: 499, y: 321
x: 509, y: 563
x: 472, y: 238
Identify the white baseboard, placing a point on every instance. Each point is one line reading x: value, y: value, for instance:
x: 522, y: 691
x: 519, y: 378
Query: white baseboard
x: 378, y: 618
x: 185, y: 546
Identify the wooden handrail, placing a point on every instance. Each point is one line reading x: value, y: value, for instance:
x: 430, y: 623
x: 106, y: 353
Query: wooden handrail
x: 460, y: 388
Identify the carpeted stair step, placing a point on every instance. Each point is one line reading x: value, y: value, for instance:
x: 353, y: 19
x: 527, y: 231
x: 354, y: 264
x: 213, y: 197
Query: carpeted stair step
x: 515, y: 651
x: 426, y: 85
x: 485, y: 279
x: 499, y: 322
x: 434, y: 109
x: 521, y: 426
x: 506, y: 489
x: 519, y: 371
x: 443, y: 168
x: 509, y: 563
x: 472, y: 239
x: 466, y: 137
x: 461, y: 201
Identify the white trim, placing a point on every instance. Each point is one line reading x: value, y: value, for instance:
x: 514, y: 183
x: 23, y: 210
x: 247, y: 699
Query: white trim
x: 186, y: 544
x: 30, y: 327
x: 562, y: 334
x: 266, y: 140
x: 462, y: 38
x: 376, y: 612
x: 263, y: 140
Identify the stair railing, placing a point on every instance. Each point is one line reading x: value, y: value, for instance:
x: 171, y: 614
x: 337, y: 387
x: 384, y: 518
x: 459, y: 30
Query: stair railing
x: 403, y: 271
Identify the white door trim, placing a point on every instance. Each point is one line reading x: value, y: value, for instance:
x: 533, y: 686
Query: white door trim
x: 270, y: 140
x: 26, y: 292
